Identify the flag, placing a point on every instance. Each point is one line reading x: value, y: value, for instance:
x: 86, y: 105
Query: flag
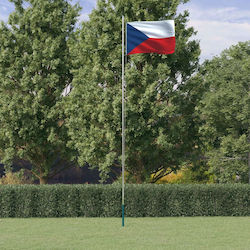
x: 151, y: 37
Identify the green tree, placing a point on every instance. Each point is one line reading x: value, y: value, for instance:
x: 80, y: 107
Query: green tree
x: 225, y: 111
x: 159, y: 121
x: 35, y: 68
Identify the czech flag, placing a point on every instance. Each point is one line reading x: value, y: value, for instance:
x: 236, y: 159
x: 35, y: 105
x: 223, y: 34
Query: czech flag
x: 151, y: 37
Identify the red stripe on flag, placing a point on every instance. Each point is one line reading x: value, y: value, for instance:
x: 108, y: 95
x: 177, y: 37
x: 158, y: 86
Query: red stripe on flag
x: 156, y: 45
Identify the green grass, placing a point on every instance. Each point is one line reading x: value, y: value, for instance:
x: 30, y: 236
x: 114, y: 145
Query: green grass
x: 138, y: 233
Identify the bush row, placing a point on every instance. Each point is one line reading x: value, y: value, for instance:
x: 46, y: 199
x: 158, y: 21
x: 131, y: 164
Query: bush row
x: 140, y: 200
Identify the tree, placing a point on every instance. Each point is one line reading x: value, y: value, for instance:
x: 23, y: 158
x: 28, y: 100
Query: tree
x: 35, y: 68
x: 224, y: 109
x: 159, y: 119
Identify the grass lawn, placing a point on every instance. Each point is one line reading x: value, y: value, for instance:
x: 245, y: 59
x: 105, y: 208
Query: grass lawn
x: 138, y: 233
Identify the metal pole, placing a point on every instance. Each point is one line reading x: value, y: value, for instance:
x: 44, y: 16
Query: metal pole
x: 123, y: 121
x: 248, y: 140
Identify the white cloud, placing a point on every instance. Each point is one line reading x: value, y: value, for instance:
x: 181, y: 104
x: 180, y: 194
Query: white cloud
x: 4, y: 17
x: 5, y: 9
x: 226, y: 14
x: 216, y: 36
x: 219, y: 28
x: 83, y: 17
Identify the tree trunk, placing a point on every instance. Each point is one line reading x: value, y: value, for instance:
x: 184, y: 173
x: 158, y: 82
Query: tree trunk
x: 43, y: 180
x: 138, y: 178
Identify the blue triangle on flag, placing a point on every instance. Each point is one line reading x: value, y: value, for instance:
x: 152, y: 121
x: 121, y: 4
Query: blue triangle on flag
x: 134, y: 38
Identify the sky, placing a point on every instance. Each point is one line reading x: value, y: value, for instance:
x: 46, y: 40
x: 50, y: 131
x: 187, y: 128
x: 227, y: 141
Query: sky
x: 219, y: 23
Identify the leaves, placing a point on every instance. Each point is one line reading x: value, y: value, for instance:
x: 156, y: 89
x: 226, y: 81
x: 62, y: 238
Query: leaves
x: 34, y: 70
x: 224, y: 109
x: 156, y: 127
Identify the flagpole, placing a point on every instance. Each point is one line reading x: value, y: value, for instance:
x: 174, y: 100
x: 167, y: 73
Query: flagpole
x: 123, y: 121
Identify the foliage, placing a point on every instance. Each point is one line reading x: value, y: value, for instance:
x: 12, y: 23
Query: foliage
x: 224, y: 109
x: 14, y: 178
x: 34, y: 70
x: 160, y: 126
x: 172, y: 178
x: 146, y: 200
x: 188, y: 174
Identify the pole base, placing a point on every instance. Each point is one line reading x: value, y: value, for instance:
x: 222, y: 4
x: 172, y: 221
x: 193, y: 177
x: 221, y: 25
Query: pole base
x: 123, y: 215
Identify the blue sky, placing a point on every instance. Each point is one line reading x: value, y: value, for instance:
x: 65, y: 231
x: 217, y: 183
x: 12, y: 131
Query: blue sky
x: 220, y: 23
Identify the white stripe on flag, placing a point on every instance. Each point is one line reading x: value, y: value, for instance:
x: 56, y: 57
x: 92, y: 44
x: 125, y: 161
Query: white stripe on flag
x: 155, y: 29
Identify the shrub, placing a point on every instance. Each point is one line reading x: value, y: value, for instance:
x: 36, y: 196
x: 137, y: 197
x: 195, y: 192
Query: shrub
x: 188, y: 174
x: 14, y: 178
x: 140, y: 200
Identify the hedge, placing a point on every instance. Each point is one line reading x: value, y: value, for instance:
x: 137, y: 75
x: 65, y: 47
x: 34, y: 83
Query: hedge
x: 140, y: 200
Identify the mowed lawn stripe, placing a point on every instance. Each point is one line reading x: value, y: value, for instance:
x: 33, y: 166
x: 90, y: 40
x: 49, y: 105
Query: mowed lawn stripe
x: 138, y: 233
